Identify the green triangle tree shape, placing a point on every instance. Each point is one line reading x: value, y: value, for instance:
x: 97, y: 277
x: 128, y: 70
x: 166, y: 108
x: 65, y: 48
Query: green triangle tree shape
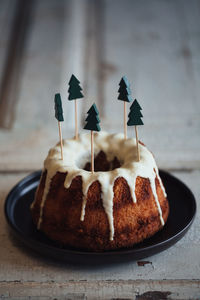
x: 74, y: 89
x: 124, y: 90
x: 135, y: 114
x: 93, y: 119
x: 124, y: 82
x: 58, y: 108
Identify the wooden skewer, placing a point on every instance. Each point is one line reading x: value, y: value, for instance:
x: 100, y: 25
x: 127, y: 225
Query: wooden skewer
x: 138, y: 152
x: 76, y: 122
x: 125, y: 126
x: 61, y: 142
x: 92, y: 152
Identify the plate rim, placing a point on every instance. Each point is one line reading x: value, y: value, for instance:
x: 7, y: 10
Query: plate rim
x: 34, y: 243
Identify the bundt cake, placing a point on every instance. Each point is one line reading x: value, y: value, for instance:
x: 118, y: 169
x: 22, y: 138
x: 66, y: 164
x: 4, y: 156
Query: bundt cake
x: 122, y: 203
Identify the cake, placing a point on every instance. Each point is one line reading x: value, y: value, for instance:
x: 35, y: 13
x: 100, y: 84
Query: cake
x: 122, y: 203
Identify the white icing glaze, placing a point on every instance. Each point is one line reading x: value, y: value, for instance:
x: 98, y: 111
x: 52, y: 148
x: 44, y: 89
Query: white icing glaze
x: 77, y: 153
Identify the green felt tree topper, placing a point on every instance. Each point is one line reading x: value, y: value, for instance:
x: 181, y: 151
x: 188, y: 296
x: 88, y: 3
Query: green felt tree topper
x: 124, y: 90
x: 58, y: 108
x: 93, y: 119
x: 74, y: 89
x: 135, y: 114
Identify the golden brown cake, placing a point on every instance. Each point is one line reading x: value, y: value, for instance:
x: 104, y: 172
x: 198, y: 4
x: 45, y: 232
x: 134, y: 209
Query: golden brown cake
x: 121, y: 204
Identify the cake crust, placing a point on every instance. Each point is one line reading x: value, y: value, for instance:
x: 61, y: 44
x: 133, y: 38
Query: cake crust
x: 133, y: 222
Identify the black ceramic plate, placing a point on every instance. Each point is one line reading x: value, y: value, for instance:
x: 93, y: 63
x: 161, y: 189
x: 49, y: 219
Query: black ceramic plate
x: 182, y: 212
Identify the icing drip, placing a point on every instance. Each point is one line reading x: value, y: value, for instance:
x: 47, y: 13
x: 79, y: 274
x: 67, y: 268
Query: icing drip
x: 161, y: 184
x: 153, y: 188
x: 76, y: 154
x: 46, y: 189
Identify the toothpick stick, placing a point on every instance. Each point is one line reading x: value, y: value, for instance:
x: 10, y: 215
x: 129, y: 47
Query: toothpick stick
x: 92, y: 152
x: 61, y: 143
x: 92, y: 125
x: 76, y: 122
x: 138, y: 152
x: 135, y: 116
x: 125, y: 127
x: 124, y: 95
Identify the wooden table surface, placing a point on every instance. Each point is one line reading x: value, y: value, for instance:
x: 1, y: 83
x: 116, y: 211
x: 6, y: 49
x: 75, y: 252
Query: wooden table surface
x: 156, y: 44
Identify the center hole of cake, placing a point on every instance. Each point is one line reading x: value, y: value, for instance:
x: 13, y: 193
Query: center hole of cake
x: 102, y: 164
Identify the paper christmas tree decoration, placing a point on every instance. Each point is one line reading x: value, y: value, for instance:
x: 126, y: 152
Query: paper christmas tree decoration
x: 93, y: 125
x: 75, y: 93
x: 135, y: 116
x: 59, y: 117
x: 74, y: 89
x: 124, y: 95
x: 93, y: 119
x: 124, y: 90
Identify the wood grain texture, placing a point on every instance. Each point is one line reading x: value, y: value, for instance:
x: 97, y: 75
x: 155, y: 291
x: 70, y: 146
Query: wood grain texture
x: 7, y: 13
x: 158, y: 42
x: 9, y: 85
x: 171, y: 107
x: 104, y: 290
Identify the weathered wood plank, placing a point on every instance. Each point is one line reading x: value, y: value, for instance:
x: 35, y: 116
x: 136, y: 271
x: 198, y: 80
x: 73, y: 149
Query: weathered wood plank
x: 61, y: 30
x: 104, y: 290
x: 73, y: 57
x: 156, y: 46
x: 7, y: 12
x: 49, y: 55
x: 93, y: 57
x: 149, y: 47
x: 10, y: 80
x: 38, y: 86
